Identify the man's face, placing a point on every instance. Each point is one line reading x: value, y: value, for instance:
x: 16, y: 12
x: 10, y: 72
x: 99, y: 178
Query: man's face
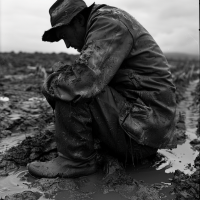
x: 73, y: 35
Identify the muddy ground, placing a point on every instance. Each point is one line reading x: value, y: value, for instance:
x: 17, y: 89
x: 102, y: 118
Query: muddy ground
x: 27, y: 134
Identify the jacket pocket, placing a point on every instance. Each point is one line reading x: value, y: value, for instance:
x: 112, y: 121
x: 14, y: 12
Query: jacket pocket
x: 136, y: 121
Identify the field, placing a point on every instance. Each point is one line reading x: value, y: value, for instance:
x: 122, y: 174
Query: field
x: 27, y: 134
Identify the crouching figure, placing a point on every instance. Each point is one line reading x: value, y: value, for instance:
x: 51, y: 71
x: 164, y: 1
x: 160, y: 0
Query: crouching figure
x: 119, y: 90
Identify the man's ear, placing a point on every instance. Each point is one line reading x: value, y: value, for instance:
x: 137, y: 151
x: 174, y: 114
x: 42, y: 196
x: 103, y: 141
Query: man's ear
x: 80, y: 20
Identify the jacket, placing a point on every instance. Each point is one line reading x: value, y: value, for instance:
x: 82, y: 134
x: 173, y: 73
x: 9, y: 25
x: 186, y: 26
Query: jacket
x: 119, y: 52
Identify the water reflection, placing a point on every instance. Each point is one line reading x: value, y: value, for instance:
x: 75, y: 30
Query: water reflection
x: 182, y: 158
x: 4, y: 99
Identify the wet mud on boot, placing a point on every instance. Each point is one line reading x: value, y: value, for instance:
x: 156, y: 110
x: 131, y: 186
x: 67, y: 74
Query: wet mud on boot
x: 62, y: 167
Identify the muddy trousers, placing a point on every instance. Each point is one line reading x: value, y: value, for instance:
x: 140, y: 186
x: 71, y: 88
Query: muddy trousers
x: 79, y: 124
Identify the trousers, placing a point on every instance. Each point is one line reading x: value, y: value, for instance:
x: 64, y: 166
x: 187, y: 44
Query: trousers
x: 79, y: 124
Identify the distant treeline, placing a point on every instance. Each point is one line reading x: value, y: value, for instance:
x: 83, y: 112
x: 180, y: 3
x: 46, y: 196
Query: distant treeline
x: 182, y: 56
x: 21, y: 59
x: 32, y: 59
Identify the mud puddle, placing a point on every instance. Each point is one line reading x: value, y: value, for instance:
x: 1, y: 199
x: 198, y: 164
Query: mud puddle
x: 4, y: 99
x: 90, y: 187
x: 182, y: 158
x: 13, y: 140
x: 142, y: 179
x: 13, y: 183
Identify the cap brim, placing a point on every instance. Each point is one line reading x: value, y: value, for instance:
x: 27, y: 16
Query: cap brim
x: 50, y: 35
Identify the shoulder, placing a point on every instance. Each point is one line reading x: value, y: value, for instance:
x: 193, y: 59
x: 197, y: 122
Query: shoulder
x: 104, y: 15
x: 104, y: 11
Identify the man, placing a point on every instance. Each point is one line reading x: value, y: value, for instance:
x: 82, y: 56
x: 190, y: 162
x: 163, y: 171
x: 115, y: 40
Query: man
x: 119, y: 90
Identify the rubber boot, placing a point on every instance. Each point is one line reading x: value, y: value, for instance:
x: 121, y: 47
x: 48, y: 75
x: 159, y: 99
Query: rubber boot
x: 62, y: 167
x: 75, y: 144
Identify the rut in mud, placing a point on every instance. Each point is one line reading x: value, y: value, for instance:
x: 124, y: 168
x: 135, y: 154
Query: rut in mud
x: 27, y: 134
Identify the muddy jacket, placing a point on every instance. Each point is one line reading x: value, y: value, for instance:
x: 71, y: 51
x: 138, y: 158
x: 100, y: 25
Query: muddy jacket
x: 120, y: 53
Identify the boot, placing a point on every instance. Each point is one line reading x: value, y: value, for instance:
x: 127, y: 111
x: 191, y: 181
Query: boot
x: 62, y: 167
x: 75, y: 144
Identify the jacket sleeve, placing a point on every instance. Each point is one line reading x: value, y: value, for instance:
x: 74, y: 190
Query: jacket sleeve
x: 107, y: 43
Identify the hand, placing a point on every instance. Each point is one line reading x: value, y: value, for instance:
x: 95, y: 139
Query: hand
x: 47, y: 90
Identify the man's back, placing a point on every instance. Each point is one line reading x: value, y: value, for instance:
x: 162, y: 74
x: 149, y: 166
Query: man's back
x: 143, y: 77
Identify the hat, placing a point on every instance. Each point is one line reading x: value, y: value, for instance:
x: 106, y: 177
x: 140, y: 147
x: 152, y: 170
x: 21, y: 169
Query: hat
x: 61, y: 13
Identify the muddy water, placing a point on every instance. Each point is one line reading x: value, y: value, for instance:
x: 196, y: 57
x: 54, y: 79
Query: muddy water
x: 91, y: 187
x: 4, y: 99
x: 183, y: 156
x: 14, y: 140
x: 14, y: 183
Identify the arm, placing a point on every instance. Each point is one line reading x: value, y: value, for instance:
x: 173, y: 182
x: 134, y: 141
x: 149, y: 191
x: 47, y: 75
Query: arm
x: 108, y: 42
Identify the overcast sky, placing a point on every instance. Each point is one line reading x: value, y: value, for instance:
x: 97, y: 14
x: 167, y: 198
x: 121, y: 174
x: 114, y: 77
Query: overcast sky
x: 174, y: 24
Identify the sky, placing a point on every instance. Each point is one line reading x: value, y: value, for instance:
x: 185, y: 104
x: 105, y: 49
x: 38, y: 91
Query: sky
x: 174, y: 24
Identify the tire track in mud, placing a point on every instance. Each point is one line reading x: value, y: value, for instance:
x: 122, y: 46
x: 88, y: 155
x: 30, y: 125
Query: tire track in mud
x: 185, y: 160
x: 182, y: 158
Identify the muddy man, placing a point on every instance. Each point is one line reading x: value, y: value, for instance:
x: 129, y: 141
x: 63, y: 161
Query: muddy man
x: 119, y: 90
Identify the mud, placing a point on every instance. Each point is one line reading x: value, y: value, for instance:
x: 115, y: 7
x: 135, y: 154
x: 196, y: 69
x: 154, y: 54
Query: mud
x: 27, y: 134
x: 185, y: 186
x: 27, y: 195
x: 188, y: 186
x: 40, y: 147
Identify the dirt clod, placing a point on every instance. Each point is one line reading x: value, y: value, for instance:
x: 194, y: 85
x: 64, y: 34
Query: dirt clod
x: 26, y: 195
